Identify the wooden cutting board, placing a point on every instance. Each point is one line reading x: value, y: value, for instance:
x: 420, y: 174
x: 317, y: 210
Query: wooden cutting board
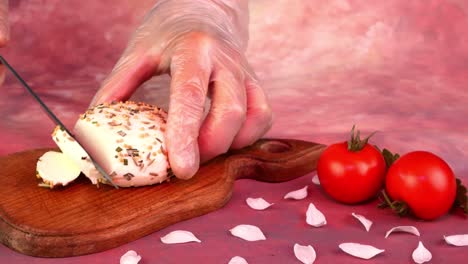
x: 81, y: 219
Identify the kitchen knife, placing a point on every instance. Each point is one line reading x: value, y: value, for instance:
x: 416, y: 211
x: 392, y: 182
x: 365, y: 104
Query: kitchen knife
x: 54, y: 117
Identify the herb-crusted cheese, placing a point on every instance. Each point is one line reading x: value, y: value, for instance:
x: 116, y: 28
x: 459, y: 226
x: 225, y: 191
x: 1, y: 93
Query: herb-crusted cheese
x: 125, y: 138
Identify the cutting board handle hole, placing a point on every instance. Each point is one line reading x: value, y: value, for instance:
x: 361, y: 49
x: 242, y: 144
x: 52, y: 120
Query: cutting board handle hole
x: 275, y: 146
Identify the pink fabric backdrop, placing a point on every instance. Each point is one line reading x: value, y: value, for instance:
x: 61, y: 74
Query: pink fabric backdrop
x: 399, y: 67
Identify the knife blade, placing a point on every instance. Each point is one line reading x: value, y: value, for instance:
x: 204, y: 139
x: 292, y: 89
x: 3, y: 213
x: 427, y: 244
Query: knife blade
x: 53, y: 117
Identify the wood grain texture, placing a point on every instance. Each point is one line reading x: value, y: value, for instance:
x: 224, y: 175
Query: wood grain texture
x: 81, y: 219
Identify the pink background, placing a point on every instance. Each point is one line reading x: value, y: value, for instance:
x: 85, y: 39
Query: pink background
x: 399, y: 67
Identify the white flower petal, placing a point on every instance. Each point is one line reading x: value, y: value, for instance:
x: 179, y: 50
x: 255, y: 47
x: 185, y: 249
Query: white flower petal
x: 305, y: 254
x: 248, y: 232
x: 421, y: 254
x: 179, y: 236
x: 314, y: 217
x: 258, y: 203
x: 408, y: 229
x: 364, y: 221
x: 238, y: 260
x: 316, y: 180
x: 360, y: 250
x: 297, y: 194
x: 457, y: 240
x: 131, y: 257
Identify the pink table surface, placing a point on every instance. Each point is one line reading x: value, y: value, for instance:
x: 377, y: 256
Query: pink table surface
x: 399, y: 67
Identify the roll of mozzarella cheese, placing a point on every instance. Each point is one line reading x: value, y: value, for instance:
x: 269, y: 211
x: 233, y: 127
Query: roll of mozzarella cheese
x: 126, y: 139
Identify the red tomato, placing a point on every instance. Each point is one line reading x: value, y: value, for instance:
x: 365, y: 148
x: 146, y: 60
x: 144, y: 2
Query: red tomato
x: 423, y: 181
x: 351, y: 176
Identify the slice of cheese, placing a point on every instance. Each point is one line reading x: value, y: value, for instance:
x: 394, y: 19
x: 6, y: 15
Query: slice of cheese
x: 56, y: 168
x: 76, y: 153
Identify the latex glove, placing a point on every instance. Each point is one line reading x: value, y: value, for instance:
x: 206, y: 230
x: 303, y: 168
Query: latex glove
x: 201, y: 45
x: 4, y: 32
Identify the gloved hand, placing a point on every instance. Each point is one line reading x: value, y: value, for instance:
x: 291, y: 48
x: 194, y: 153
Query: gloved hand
x: 201, y: 45
x: 4, y: 32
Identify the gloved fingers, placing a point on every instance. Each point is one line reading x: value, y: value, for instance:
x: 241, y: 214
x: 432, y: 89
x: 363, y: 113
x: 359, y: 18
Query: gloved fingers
x: 130, y: 72
x: 4, y: 25
x: 226, y: 115
x: 190, y: 73
x: 259, y: 115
